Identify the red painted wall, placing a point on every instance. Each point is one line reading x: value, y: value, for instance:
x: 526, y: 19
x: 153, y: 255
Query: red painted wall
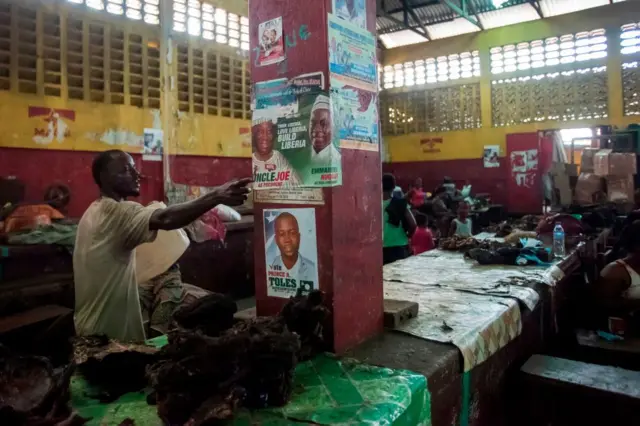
x: 41, y: 168
x: 470, y: 171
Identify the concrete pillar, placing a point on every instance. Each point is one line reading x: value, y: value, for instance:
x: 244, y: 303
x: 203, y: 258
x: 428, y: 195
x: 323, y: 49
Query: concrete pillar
x: 348, y: 224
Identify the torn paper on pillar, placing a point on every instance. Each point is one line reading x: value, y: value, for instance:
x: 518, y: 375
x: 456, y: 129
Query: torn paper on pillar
x: 291, y: 253
x: 354, y: 87
x: 352, y: 54
x: 352, y: 11
x: 271, y: 41
x: 355, y: 115
x: 292, y: 135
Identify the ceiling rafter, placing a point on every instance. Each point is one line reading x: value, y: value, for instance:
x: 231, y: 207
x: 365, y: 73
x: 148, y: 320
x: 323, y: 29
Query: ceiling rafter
x: 408, y: 10
x: 462, y: 11
x: 382, y: 12
x: 536, y: 5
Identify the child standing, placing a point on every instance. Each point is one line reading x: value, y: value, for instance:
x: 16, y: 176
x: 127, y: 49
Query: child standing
x: 461, y: 226
x: 422, y: 239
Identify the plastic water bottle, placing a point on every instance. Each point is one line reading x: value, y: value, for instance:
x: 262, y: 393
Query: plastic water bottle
x: 558, y: 241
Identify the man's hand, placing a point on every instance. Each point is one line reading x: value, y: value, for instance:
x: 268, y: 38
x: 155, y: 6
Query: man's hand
x: 232, y: 193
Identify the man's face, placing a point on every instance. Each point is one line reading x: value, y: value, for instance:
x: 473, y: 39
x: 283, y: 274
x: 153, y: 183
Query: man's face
x: 122, y: 176
x: 287, y: 235
x: 320, y: 129
x: 264, y: 138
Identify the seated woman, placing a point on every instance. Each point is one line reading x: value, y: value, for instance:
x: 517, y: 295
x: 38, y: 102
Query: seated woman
x: 617, y: 291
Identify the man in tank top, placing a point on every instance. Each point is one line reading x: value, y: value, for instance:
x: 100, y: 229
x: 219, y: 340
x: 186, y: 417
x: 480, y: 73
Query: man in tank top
x: 617, y: 292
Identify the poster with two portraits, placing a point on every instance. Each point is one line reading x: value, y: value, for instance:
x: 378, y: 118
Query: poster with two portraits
x: 294, y: 156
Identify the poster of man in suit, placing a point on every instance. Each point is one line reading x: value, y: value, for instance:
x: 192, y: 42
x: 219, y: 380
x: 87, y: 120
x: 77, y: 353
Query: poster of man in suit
x: 290, y: 251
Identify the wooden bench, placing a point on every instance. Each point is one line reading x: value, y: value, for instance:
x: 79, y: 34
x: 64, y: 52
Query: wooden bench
x: 592, y: 348
x: 563, y: 392
x: 31, y: 317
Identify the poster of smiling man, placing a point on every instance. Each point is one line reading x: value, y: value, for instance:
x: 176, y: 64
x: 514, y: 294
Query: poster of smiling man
x: 290, y: 251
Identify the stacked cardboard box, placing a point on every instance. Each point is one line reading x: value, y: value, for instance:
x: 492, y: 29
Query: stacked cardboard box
x: 618, y: 169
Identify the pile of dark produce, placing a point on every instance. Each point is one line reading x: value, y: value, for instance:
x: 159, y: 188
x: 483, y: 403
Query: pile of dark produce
x: 115, y: 368
x: 33, y: 393
x: 457, y: 243
x: 203, y: 379
x: 525, y: 223
x: 212, y: 364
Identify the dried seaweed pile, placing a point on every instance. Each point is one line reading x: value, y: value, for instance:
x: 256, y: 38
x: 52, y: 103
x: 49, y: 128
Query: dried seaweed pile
x: 211, y: 315
x: 204, y: 379
x: 116, y: 368
x: 457, y: 243
x: 32, y: 393
x: 306, y: 316
x: 525, y: 223
x: 212, y: 364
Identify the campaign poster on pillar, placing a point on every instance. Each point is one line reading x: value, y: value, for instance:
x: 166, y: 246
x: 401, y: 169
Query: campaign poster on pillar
x: 291, y: 252
x: 352, y: 54
x: 352, y: 11
x: 292, y: 135
x: 355, y: 115
x: 271, y: 42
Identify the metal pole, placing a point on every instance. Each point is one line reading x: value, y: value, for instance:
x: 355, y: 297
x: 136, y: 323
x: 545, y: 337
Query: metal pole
x: 168, y: 109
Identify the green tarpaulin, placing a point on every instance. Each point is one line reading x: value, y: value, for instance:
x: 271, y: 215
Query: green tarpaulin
x: 327, y: 390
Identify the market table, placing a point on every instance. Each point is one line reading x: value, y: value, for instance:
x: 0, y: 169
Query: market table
x: 475, y: 325
x: 327, y: 390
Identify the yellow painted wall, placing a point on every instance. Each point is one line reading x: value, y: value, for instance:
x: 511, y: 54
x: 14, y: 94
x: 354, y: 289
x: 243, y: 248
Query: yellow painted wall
x: 101, y: 126
x: 469, y: 144
x: 98, y: 126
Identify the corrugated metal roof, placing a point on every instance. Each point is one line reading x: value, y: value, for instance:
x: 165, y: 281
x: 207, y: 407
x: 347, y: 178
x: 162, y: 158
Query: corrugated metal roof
x: 441, y: 21
x: 401, y: 38
x: 560, y: 7
x: 455, y: 27
x: 508, y: 16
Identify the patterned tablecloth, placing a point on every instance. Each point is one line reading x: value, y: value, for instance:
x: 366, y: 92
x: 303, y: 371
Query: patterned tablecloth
x: 471, y: 306
x: 327, y: 391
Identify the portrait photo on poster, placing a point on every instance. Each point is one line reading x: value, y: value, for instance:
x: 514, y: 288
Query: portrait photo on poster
x: 152, y: 145
x: 291, y: 252
x: 491, y: 156
x: 292, y: 135
x: 271, y: 41
x: 355, y: 116
x: 352, y: 11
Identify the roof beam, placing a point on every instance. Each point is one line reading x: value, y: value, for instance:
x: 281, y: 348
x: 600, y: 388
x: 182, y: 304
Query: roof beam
x: 408, y: 9
x: 462, y: 11
x: 536, y: 5
x: 382, y: 12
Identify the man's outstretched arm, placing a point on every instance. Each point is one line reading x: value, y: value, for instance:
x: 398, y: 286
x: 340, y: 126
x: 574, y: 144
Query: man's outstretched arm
x: 178, y: 216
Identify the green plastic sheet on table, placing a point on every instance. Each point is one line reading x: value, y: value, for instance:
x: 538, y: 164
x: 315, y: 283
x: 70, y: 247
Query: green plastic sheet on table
x: 327, y: 390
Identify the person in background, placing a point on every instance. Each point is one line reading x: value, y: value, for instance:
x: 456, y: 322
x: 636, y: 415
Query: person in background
x: 461, y: 225
x: 416, y: 194
x: 422, y: 239
x: 398, y: 223
x: 617, y: 291
x: 106, y: 289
